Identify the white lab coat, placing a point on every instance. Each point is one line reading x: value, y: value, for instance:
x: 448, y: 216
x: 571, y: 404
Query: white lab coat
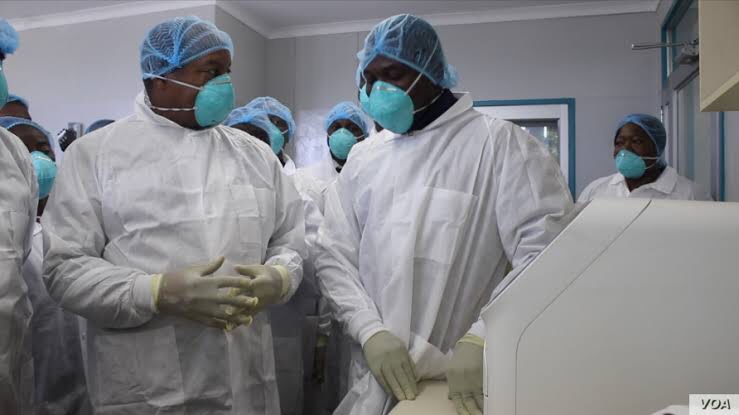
x: 292, y: 329
x: 59, y: 378
x: 18, y: 201
x: 419, y: 228
x: 146, y: 196
x: 669, y: 185
x: 324, y: 170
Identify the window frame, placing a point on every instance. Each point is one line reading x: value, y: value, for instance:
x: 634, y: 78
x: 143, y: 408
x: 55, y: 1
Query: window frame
x: 567, y: 141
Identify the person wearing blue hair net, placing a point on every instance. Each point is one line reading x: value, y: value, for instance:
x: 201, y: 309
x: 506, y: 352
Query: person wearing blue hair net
x: 15, y: 107
x: 18, y: 201
x: 345, y: 125
x: 281, y: 116
x: 256, y: 122
x: 422, y: 221
x: 171, y: 233
x: 642, y: 172
x: 288, y: 323
x: 58, y: 371
x: 37, y: 140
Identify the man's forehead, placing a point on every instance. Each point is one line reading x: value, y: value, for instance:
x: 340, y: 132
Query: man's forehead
x: 26, y: 129
x: 383, y: 62
x: 634, y: 129
x: 218, y: 57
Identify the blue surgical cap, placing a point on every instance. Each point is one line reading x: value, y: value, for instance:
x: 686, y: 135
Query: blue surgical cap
x: 347, y: 111
x: 410, y: 40
x: 8, y: 38
x: 651, y: 125
x: 10, y: 122
x: 274, y: 107
x: 176, y: 42
x: 16, y: 98
x: 246, y: 115
x: 98, y: 125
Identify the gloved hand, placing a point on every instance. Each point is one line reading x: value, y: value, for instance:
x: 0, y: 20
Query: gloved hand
x: 464, y: 375
x: 319, y: 359
x: 267, y: 283
x: 390, y: 363
x: 192, y: 294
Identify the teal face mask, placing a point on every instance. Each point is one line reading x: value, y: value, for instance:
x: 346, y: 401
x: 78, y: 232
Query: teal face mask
x: 632, y: 166
x: 341, y: 142
x: 389, y: 105
x: 3, y: 86
x: 214, y: 101
x: 45, y: 172
x: 276, y: 139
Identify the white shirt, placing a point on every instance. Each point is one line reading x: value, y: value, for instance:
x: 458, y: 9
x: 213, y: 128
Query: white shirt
x: 669, y: 185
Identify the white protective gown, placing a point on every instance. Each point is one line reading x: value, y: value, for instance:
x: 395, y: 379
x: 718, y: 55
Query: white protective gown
x: 18, y: 201
x: 418, y: 231
x: 59, y: 377
x: 295, y: 325
x: 146, y: 196
x: 669, y: 185
x: 324, y: 170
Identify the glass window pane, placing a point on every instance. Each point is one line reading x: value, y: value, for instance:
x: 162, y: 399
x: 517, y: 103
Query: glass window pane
x: 687, y: 29
x: 547, y: 131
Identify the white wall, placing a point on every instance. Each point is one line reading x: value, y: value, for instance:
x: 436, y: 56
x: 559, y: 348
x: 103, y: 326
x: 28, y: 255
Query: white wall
x: 587, y: 58
x: 248, y: 68
x: 87, y: 71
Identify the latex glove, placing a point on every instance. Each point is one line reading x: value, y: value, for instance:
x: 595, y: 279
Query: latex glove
x: 192, y: 294
x: 464, y: 375
x: 319, y: 359
x: 388, y: 359
x: 268, y: 284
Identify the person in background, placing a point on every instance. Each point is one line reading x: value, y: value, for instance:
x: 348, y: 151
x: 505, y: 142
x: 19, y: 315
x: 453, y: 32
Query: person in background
x: 257, y: 124
x: 282, y: 118
x: 138, y: 203
x: 345, y: 126
x: 422, y: 221
x: 15, y: 107
x: 38, y: 141
x: 18, y: 190
x: 98, y: 125
x: 642, y: 172
x: 33, y: 135
x: 59, y: 380
x: 292, y: 347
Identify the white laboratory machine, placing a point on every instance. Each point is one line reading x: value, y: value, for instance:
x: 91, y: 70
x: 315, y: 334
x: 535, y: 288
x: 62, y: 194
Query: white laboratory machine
x: 633, y: 307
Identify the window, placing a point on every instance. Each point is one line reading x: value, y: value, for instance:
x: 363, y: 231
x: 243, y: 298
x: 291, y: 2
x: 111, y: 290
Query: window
x: 695, y: 139
x: 552, y: 121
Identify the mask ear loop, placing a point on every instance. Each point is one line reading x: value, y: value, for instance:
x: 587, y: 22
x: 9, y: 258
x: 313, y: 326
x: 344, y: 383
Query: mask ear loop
x: 656, y: 162
x: 431, y: 55
x: 420, y: 73
x: 147, y: 100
